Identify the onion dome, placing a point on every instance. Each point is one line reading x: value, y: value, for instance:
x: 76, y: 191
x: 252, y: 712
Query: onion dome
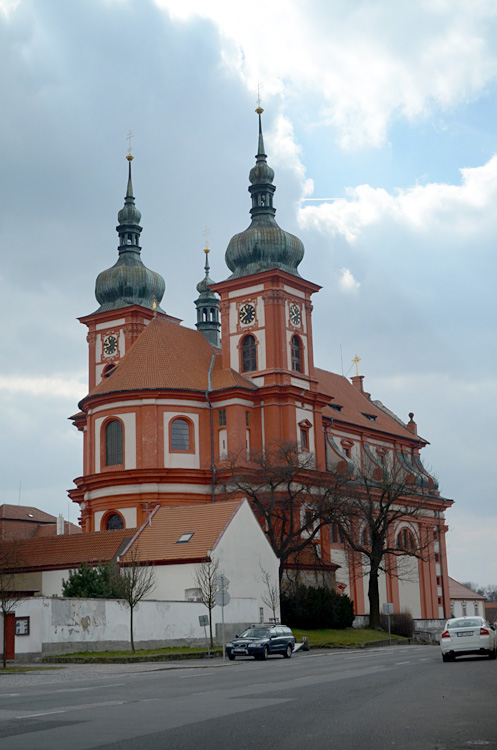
x: 129, y: 282
x: 207, y: 305
x: 263, y: 245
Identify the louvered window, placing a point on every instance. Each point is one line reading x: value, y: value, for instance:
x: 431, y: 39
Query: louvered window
x: 114, y: 443
x: 249, y: 354
x: 180, y: 435
x: 296, y: 354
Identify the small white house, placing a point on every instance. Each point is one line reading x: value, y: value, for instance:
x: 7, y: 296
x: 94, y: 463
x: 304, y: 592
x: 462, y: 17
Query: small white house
x: 464, y: 602
x: 175, y: 541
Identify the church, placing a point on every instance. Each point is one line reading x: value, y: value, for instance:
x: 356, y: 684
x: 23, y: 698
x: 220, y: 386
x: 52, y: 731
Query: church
x: 168, y: 405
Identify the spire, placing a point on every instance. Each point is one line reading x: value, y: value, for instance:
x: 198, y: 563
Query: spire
x: 263, y: 245
x: 129, y: 282
x: 208, y: 306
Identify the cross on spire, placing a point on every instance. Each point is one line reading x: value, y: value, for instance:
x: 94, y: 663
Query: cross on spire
x: 356, y: 360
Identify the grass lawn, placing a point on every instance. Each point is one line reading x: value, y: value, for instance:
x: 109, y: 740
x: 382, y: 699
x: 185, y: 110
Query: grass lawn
x: 342, y: 638
x: 144, y: 652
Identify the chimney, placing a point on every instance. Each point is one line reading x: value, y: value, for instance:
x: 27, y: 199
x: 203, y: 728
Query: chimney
x: 357, y: 381
x: 411, y: 425
x: 60, y: 525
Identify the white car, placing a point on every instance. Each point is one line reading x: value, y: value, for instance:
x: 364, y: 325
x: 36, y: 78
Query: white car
x: 468, y: 635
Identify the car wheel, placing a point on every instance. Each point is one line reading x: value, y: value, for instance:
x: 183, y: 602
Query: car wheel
x: 265, y: 653
x: 446, y: 657
x: 231, y: 657
x: 288, y: 651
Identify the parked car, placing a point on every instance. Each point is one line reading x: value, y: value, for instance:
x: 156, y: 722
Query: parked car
x: 260, y: 641
x: 468, y: 635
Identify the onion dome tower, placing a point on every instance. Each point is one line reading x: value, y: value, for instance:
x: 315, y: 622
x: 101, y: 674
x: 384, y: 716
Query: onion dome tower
x: 207, y: 305
x: 129, y: 282
x: 263, y: 245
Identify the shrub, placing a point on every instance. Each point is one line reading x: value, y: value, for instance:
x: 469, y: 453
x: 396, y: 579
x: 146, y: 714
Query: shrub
x: 316, y: 608
x: 401, y: 623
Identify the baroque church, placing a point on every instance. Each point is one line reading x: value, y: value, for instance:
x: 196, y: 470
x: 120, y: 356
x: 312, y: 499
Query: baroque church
x: 167, y: 405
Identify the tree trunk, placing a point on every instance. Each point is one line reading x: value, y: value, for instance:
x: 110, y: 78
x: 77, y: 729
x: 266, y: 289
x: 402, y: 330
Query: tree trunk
x: 374, y: 599
x: 131, y: 629
x: 210, y: 627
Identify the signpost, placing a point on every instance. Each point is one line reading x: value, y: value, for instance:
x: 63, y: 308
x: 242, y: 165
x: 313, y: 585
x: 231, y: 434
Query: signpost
x: 388, y: 610
x: 222, y: 598
x: 203, y: 621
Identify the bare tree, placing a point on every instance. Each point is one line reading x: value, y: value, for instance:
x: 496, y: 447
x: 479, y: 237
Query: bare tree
x: 290, y: 498
x: 368, y: 512
x: 205, y: 577
x: 10, y: 596
x: 133, y: 582
x: 271, y: 594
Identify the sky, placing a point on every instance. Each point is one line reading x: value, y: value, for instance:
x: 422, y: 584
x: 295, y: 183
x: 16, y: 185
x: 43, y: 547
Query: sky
x: 380, y: 122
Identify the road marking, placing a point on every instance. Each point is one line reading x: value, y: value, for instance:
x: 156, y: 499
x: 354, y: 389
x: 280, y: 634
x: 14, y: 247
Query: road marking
x: 402, y: 662
x: 93, y: 687
x: 10, y: 695
x: 46, y: 713
x: 200, y: 673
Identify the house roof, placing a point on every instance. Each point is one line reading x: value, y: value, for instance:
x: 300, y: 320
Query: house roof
x: 458, y: 591
x: 65, y: 552
x: 355, y: 405
x: 25, y: 513
x: 160, y: 539
x: 168, y: 356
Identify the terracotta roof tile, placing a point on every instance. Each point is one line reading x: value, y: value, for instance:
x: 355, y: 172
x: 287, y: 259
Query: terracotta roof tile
x: 25, y: 513
x: 355, y: 405
x: 70, y: 551
x: 168, y: 356
x: 159, y: 540
x: 458, y: 591
x: 491, y: 612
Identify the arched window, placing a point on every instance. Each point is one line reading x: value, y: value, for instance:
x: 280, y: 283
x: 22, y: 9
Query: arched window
x: 180, y: 435
x: 296, y: 354
x: 114, y: 443
x: 249, y: 354
x: 366, y: 537
x: 114, y: 522
x: 405, y: 540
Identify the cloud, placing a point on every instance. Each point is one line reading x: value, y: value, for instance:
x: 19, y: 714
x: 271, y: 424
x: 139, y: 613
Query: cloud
x: 368, y: 64
x: 347, y: 281
x: 8, y: 6
x: 286, y: 152
x: 458, y: 209
x: 468, y: 541
x: 53, y: 387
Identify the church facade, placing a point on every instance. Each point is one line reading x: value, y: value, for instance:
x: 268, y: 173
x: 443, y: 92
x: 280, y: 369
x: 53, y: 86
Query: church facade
x: 167, y: 405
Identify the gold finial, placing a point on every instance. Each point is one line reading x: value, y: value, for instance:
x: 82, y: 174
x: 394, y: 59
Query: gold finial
x: 154, y: 302
x: 206, y: 242
x: 259, y: 109
x: 128, y: 138
x: 356, y: 360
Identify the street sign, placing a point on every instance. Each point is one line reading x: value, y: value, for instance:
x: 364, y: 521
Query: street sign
x: 222, y: 582
x: 203, y: 620
x: 222, y: 598
x: 388, y: 609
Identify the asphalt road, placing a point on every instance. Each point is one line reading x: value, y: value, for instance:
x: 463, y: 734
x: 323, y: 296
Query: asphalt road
x: 399, y: 697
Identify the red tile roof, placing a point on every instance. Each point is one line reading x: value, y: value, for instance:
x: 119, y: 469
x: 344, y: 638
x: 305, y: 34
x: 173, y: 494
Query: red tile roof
x: 491, y: 612
x: 158, y: 541
x: 25, y: 513
x: 355, y: 405
x: 168, y: 356
x: 69, y: 551
x: 458, y: 591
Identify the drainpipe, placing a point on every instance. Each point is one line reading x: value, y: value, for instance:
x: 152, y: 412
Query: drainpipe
x: 440, y: 556
x: 209, y: 388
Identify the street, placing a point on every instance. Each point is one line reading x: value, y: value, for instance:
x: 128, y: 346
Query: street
x: 398, y: 697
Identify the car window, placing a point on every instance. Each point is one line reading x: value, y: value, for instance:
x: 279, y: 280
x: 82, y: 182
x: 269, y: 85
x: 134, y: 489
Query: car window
x: 254, y: 633
x: 464, y: 622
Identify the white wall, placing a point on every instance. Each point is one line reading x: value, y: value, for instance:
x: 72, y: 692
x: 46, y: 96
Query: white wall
x: 61, y: 626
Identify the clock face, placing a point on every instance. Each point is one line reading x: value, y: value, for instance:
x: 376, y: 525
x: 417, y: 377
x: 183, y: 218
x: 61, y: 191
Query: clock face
x: 247, y: 314
x: 295, y: 315
x: 110, y: 345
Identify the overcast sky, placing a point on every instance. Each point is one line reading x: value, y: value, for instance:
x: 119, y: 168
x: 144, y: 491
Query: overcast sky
x: 381, y: 124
